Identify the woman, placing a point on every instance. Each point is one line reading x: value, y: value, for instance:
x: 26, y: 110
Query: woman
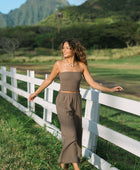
x: 68, y: 102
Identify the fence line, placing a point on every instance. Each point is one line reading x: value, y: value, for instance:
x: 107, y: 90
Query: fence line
x: 91, y: 128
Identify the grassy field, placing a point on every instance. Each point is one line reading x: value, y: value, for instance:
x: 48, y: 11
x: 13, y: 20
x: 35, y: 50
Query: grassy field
x: 109, y: 67
x: 26, y: 145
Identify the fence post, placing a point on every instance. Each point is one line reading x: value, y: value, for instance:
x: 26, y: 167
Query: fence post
x: 14, y: 83
x: 48, y: 96
x: 31, y: 89
x: 91, y: 113
x: 3, y: 79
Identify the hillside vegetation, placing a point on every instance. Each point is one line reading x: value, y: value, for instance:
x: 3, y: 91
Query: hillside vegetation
x: 97, y: 24
x: 32, y: 12
x: 98, y: 11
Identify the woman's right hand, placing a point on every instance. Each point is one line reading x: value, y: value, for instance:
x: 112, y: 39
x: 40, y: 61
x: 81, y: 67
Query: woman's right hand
x: 32, y: 96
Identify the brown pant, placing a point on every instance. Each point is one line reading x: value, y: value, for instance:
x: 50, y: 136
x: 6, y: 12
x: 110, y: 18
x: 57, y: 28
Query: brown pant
x: 69, y: 110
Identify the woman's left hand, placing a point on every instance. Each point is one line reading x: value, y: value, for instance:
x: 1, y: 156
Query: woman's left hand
x: 117, y: 89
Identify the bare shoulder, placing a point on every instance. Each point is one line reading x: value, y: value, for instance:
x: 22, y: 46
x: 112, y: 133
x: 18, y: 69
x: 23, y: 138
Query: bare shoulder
x: 83, y: 66
x: 58, y: 65
x: 59, y: 62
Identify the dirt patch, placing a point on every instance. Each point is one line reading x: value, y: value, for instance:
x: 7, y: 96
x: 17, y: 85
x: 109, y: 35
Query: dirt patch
x: 131, y: 88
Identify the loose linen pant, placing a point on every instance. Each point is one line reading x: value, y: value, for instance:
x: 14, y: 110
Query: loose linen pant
x: 69, y: 109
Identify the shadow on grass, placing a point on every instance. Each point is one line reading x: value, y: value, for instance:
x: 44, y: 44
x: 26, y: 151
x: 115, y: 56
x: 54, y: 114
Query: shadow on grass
x: 131, y: 132
x: 116, y: 156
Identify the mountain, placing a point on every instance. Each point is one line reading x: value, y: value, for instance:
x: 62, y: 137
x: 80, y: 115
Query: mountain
x: 32, y: 12
x: 121, y: 8
x: 98, y: 11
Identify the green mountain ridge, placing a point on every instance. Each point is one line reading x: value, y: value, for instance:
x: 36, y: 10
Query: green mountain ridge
x: 97, y: 24
x: 32, y: 12
x: 100, y: 10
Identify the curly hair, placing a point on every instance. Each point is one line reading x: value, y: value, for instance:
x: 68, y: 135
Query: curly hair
x: 80, y: 54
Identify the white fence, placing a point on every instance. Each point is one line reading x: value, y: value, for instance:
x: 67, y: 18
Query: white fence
x: 89, y: 121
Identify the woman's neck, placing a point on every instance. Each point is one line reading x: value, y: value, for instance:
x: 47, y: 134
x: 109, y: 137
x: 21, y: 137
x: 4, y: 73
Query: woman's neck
x: 70, y: 60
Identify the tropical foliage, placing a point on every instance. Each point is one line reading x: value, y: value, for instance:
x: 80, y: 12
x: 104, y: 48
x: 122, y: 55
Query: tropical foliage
x: 97, y: 24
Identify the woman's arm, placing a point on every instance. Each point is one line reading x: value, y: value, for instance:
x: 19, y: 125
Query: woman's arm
x: 96, y: 85
x: 46, y: 82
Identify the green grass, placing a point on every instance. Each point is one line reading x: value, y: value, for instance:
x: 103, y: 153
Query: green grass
x: 124, y: 72
x: 123, y: 122
x: 119, y: 158
x: 26, y: 145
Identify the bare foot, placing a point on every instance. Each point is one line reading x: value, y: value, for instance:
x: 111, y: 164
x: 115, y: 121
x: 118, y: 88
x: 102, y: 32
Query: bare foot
x: 63, y: 166
x: 76, y: 167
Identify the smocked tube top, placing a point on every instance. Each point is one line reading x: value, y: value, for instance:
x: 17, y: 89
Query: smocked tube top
x: 70, y: 81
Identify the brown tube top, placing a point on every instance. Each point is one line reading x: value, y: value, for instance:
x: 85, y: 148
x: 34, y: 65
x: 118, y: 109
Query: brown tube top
x: 70, y: 81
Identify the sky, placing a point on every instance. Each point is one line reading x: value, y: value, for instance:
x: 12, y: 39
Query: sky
x: 7, y: 5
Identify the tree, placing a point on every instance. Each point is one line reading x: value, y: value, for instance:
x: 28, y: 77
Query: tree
x: 9, y: 45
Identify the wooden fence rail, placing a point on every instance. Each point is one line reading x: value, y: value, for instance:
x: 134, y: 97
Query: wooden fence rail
x: 90, y: 122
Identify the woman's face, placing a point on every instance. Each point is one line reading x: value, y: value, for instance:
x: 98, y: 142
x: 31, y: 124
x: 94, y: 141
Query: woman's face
x: 66, y: 50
